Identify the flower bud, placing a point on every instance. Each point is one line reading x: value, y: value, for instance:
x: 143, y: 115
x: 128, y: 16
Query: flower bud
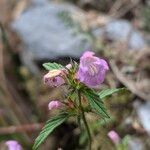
x: 114, y: 137
x: 54, y: 78
x: 54, y: 105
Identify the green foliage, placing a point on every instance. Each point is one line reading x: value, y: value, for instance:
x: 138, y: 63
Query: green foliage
x: 52, y: 66
x: 105, y: 93
x: 49, y: 127
x: 96, y: 103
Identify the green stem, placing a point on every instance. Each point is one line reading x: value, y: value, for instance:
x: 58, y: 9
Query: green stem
x: 84, y: 120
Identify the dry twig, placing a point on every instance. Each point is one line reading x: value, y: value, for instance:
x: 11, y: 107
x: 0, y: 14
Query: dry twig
x: 128, y: 83
x: 124, y: 10
x: 21, y: 128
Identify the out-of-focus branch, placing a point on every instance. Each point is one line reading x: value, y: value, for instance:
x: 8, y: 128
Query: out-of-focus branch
x: 128, y: 83
x: 7, y: 98
x: 114, y: 12
x: 10, y: 102
x: 21, y: 128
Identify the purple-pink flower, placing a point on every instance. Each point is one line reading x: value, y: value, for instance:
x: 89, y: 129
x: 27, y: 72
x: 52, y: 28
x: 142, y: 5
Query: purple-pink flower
x: 54, y: 105
x: 54, y: 78
x: 113, y: 135
x: 13, y: 145
x: 92, y: 69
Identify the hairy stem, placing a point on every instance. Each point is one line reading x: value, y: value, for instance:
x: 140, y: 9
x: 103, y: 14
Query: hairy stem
x: 84, y: 120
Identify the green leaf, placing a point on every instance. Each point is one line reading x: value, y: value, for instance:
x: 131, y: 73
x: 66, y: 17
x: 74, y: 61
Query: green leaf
x: 48, y: 128
x: 96, y: 103
x: 105, y: 93
x: 52, y: 66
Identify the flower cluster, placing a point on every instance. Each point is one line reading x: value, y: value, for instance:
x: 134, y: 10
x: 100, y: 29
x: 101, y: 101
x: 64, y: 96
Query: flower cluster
x: 90, y: 72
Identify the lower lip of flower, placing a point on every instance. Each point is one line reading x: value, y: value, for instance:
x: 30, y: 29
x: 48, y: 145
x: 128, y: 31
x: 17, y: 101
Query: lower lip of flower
x: 93, y: 70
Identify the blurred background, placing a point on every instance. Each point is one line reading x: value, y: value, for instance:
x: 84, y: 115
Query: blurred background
x: 37, y: 31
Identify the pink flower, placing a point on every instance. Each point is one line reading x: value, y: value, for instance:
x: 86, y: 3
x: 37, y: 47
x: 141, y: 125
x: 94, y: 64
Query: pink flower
x: 13, y: 145
x: 114, y: 137
x: 54, y: 105
x: 92, y: 69
x: 54, y: 78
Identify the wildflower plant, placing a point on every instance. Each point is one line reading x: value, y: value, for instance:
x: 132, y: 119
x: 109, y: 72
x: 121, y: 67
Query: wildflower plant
x: 82, y: 81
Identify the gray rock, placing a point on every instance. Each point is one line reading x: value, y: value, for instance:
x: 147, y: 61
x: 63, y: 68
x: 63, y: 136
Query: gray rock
x: 135, y: 144
x: 47, y: 35
x: 39, y: 2
x: 118, y: 29
x: 143, y: 111
x: 122, y: 30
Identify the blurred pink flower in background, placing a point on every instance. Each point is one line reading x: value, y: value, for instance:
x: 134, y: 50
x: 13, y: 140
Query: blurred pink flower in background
x: 13, y: 145
x: 113, y: 135
x: 92, y: 69
x: 54, y: 105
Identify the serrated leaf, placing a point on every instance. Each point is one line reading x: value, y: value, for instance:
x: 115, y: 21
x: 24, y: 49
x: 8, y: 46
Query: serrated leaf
x: 96, y: 103
x: 104, y: 93
x: 48, y: 128
x: 52, y: 66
